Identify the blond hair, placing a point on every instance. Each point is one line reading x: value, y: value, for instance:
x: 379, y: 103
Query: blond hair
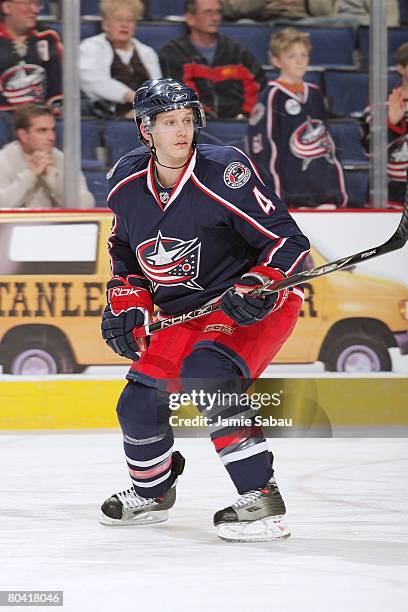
x: 287, y: 37
x: 401, y: 57
x: 107, y: 7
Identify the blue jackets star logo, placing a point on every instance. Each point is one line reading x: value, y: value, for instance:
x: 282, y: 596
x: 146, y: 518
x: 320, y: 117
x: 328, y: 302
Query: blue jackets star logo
x: 170, y: 261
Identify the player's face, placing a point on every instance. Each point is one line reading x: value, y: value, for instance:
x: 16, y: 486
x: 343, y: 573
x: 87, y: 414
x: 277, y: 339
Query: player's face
x: 173, y: 134
x: 293, y: 63
x: 40, y: 136
x: 21, y: 15
x: 120, y: 26
x: 207, y: 18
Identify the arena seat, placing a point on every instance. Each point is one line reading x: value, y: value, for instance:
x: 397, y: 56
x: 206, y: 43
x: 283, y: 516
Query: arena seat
x: 98, y: 186
x: 347, y: 91
x: 120, y: 137
x: 252, y: 36
x: 331, y: 46
x: 87, y: 28
x: 396, y: 37
x: 225, y: 132
x: 347, y: 138
x: 403, y: 7
x: 6, y: 129
x: 90, y: 7
x: 160, y: 9
x: 45, y: 8
x: 90, y: 141
x: 157, y: 34
x: 357, y: 185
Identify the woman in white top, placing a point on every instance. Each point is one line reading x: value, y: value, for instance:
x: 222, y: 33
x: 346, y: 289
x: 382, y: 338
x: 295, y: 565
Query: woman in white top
x: 114, y: 64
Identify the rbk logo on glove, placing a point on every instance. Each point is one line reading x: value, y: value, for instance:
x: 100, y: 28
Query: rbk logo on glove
x: 123, y: 299
x: 126, y: 316
x: 120, y: 291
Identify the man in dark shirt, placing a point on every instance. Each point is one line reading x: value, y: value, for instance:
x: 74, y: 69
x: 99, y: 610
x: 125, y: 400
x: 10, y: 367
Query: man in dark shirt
x: 226, y: 76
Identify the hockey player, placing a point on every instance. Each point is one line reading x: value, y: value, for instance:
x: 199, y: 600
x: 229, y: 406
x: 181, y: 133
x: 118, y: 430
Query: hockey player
x: 287, y: 133
x: 30, y: 60
x: 195, y: 224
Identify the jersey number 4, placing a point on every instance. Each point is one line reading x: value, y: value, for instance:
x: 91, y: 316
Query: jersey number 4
x: 266, y: 205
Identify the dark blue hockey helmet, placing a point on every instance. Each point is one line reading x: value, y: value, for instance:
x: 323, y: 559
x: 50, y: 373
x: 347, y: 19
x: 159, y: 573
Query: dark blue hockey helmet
x: 162, y: 95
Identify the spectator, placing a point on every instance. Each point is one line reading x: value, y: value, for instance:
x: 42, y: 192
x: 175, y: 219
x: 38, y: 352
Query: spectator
x: 31, y: 168
x: 114, y: 64
x: 398, y: 130
x: 357, y: 12
x: 309, y: 12
x: 275, y: 9
x: 353, y: 13
x: 226, y: 76
x: 287, y: 131
x: 30, y: 61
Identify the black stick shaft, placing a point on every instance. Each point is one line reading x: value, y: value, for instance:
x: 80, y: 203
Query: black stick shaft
x: 397, y: 241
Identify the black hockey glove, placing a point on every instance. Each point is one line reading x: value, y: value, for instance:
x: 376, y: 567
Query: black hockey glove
x: 246, y: 309
x: 128, y: 311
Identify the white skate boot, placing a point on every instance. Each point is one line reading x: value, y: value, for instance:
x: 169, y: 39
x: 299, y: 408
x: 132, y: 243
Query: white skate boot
x: 256, y: 516
x: 127, y: 508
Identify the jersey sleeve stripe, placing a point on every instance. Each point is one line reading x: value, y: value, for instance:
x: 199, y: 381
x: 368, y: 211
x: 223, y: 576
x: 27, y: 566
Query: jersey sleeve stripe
x: 269, y: 126
x: 233, y: 209
x: 110, y: 243
x: 272, y: 252
x: 254, y: 168
x: 297, y: 261
x: 124, y: 181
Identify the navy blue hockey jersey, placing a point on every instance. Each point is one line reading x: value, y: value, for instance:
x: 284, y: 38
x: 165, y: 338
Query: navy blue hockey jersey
x: 219, y: 221
x: 289, y: 140
x: 33, y: 75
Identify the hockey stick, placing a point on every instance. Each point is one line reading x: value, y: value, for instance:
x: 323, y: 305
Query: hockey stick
x: 397, y: 241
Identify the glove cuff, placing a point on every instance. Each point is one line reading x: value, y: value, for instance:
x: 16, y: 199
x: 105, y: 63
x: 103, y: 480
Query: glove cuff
x: 265, y: 274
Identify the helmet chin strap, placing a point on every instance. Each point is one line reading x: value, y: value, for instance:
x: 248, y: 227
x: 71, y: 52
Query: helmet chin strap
x: 154, y: 153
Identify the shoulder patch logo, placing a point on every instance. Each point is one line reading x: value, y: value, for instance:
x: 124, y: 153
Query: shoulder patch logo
x: 236, y: 175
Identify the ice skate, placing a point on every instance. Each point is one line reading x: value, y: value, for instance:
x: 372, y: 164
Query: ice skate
x: 256, y: 516
x: 127, y: 508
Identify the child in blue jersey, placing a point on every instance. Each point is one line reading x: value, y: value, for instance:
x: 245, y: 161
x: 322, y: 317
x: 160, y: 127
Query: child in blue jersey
x: 288, y: 135
x: 195, y: 224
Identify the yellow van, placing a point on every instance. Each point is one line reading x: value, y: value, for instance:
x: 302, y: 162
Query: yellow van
x: 53, y: 272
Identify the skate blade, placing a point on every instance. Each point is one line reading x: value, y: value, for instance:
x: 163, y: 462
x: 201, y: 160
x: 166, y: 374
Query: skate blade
x: 263, y: 530
x: 149, y: 518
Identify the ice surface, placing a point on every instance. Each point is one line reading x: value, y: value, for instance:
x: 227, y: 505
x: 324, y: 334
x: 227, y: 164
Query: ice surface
x: 347, y: 501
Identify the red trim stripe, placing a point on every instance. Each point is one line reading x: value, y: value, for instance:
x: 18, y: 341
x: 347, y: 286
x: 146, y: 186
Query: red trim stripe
x: 233, y: 209
x: 297, y: 261
x: 124, y: 182
x: 245, y: 433
x: 154, y: 471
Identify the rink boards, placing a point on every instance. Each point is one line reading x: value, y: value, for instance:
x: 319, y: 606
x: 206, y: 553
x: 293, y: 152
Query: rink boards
x: 306, y: 404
